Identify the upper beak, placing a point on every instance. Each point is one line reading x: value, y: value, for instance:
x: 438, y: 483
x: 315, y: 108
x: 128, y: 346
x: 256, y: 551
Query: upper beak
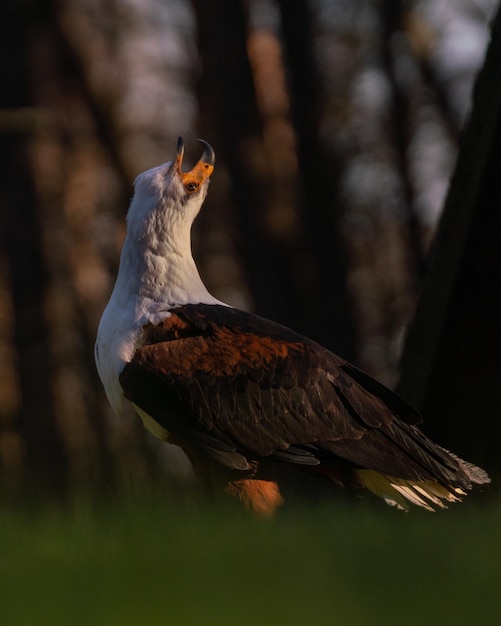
x: 202, y: 170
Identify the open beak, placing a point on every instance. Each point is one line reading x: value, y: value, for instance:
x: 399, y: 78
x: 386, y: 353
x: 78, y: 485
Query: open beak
x: 202, y: 170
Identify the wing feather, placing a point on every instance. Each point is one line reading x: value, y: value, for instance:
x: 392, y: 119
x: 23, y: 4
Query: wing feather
x: 242, y: 388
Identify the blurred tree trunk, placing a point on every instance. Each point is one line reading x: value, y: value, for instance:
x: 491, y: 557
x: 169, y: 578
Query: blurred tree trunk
x: 27, y: 423
x: 229, y: 107
x: 451, y: 366
x: 329, y: 313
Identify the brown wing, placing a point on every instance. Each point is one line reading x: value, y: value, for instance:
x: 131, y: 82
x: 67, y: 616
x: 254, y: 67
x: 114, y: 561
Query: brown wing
x: 241, y: 388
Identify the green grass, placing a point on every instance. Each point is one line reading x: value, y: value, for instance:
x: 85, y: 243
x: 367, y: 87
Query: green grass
x: 350, y: 563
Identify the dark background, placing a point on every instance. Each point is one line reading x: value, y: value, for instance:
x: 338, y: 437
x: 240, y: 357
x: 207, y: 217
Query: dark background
x: 337, y: 126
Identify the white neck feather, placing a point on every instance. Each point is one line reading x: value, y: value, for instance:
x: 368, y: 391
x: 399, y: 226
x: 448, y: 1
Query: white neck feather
x: 157, y: 272
x: 153, y: 279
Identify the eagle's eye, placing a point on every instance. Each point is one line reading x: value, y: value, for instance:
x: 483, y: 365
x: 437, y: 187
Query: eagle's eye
x: 192, y: 187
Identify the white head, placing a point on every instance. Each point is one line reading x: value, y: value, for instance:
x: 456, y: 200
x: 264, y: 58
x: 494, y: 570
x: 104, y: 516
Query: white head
x: 167, y: 200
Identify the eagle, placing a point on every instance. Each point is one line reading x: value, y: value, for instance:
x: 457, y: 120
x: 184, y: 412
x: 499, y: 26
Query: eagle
x: 239, y: 393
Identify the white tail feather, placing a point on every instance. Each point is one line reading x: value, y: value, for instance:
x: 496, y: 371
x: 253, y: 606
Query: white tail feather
x: 400, y: 493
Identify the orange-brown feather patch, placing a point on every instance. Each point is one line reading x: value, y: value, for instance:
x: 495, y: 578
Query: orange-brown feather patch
x: 261, y: 496
x: 224, y: 353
